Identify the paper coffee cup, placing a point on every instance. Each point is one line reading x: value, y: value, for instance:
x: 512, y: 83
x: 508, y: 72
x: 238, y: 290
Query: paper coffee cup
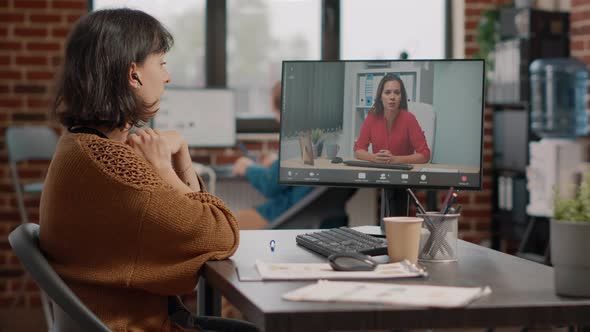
x: 403, y: 238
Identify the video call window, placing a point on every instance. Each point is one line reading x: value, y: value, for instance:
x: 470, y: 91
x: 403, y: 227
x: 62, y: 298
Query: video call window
x: 333, y: 112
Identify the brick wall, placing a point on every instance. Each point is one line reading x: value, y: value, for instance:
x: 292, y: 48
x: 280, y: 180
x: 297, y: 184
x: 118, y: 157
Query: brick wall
x: 474, y: 225
x: 580, y: 30
x: 32, y: 34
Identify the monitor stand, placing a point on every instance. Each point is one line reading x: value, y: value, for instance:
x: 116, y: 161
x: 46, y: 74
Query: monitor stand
x: 394, y: 202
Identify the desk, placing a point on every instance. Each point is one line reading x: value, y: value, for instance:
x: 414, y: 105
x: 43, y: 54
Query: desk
x: 522, y: 292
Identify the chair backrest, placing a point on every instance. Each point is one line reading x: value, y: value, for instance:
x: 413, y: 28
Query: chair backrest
x: 30, y: 143
x: 319, y: 208
x: 426, y: 117
x: 24, y: 240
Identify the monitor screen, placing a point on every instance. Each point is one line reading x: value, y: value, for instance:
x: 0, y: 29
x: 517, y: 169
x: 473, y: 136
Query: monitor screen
x: 386, y: 123
x: 189, y: 111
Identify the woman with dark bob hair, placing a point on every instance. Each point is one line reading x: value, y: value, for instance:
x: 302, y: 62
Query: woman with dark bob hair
x: 124, y: 219
x: 393, y: 133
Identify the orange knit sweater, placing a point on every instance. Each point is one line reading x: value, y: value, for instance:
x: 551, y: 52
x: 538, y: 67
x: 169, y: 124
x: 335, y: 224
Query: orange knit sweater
x: 121, y: 238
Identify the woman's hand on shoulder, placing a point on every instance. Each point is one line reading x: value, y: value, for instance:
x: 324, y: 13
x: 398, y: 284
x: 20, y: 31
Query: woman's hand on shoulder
x: 175, y: 141
x: 241, y: 165
x: 151, y: 145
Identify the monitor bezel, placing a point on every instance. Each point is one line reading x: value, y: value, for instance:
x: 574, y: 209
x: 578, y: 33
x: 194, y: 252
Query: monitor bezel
x: 383, y: 185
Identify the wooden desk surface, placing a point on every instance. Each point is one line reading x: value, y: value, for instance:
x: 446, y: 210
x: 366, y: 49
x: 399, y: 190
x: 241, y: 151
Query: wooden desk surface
x: 323, y: 163
x: 522, y: 292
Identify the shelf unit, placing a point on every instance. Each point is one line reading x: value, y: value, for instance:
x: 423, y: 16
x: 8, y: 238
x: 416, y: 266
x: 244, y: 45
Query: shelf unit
x: 528, y: 34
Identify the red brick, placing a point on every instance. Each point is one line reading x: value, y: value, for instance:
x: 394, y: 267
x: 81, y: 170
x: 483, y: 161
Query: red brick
x: 10, y: 102
x: 479, y: 213
x: 56, y: 60
x: 4, y: 88
x: 38, y: 103
x: 37, y: 46
x: 10, y: 45
x: 482, y: 225
x: 483, y: 198
x: 40, y: 75
x: 29, y: 89
x: 69, y: 4
x: 254, y: 146
x: 31, y: 60
x: 28, y: 117
x: 4, y: 60
x: 3, y: 3
x: 3, y: 32
x: 464, y: 225
x: 577, y: 16
x: 60, y: 32
x: 30, y: 4
x: 45, y: 18
x: 12, y: 17
x: 30, y: 32
x: 221, y: 160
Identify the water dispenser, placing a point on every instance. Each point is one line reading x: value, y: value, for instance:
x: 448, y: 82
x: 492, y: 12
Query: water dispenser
x: 558, y: 97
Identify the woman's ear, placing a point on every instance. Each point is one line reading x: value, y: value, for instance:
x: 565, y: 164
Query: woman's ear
x: 132, y: 76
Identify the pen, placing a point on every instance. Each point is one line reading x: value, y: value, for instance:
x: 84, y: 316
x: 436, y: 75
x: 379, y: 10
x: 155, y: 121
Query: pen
x: 272, y: 244
x: 418, y: 205
x: 243, y: 148
x: 458, y: 209
x: 450, y: 203
x: 445, y: 204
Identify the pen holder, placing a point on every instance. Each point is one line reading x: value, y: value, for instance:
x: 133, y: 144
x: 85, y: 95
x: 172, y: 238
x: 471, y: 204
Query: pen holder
x: 440, y: 241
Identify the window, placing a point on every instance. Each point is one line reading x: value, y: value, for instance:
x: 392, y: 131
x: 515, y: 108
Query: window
x: 261, y: 34
x: 383, y: 29
x: 186, y: 21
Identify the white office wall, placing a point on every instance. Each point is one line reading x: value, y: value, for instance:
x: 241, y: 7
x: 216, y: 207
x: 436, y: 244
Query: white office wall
x: 458, y: 106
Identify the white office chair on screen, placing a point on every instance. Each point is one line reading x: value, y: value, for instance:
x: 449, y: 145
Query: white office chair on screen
x: 426, y: 117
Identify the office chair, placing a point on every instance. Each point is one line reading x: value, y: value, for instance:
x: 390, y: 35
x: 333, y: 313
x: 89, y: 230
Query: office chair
x: 24, y: 144
x: 323, y: 207
x: 69, y: 312
x: 427, y: 120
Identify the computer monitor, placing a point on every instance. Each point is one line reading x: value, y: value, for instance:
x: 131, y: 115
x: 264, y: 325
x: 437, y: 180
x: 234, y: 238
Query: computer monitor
x: 205, y: 117
x: 333, y: 106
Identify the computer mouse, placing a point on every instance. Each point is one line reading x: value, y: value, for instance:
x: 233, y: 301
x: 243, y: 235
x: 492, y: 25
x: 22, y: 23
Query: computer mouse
x: 336, y: 160
x: 352, y: 261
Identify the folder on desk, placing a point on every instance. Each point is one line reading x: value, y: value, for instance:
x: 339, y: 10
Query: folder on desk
x: 388, y: 293
x: 316, y: 271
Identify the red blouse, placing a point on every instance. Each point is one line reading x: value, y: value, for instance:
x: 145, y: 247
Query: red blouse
x: 405, y: 138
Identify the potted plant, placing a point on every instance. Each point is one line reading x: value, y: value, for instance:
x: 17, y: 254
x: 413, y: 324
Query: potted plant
x: 570, y: 242
x: 317, y: 141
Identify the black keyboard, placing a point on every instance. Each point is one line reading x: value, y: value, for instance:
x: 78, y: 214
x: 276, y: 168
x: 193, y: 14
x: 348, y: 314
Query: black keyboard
x: 377, y: 165
x: 343, y: 239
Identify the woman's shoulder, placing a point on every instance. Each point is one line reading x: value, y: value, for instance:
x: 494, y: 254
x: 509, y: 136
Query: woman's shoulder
x: 117, y: 161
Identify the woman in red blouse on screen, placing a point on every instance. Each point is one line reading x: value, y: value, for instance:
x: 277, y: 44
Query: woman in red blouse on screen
x: 394, y: 133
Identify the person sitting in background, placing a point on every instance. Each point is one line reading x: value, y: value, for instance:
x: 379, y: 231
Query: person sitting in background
x: 264, y: 176
x: 394, y: 133
x: 124, y: 219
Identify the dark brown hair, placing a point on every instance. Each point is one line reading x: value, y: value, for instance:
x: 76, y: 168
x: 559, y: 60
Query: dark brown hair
x: 93, y: 88
x: 379, y: 103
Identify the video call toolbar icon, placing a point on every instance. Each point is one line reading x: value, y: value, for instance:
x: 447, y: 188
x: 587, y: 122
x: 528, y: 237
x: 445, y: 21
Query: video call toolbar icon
x: 362, y: 176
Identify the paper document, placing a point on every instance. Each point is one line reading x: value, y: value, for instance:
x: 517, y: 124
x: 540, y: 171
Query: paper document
x: 314, y: 271
x: 393, y: 294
